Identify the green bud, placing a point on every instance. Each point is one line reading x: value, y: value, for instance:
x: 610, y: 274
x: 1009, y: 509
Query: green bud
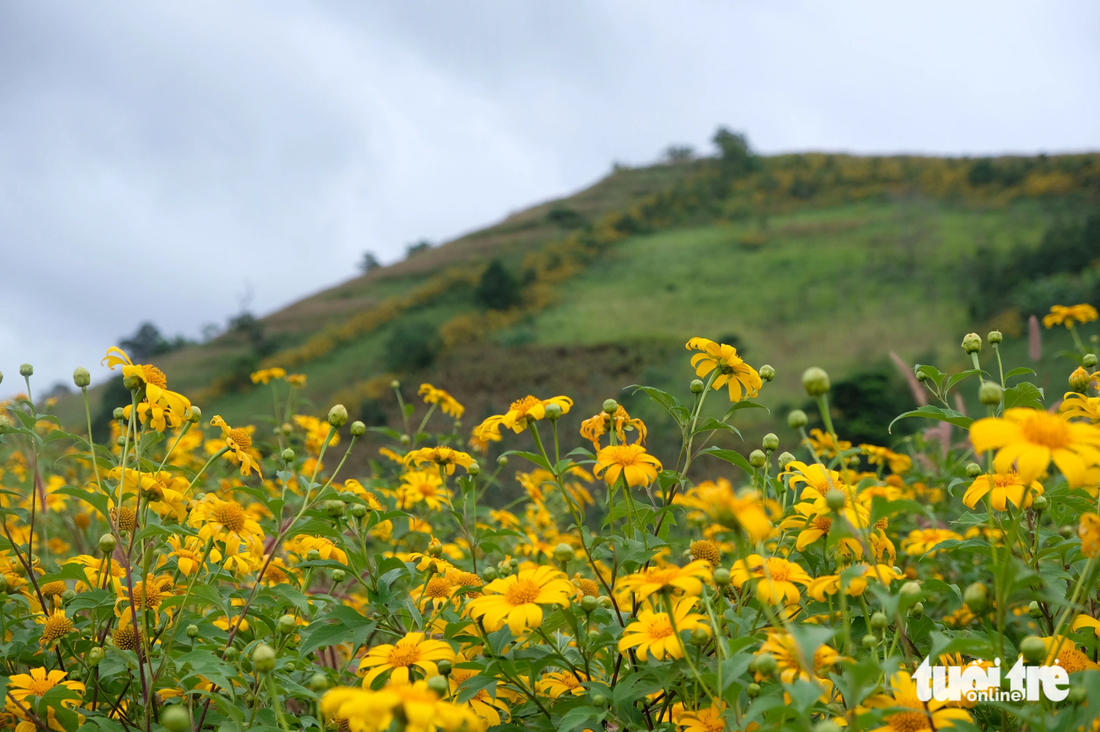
x: 395, y: 384
x: 358, y: 429
x: 68, y: 596
x: 288, y: 455
x: 599, y: 700
x: 721, y: 576
x: 26, y: 370
x: 976, y: 598
x: 972, y: 343
x: 489, y: 574
x: 287, y: 624
x: 194, y: 415
x: 990, y: 393
x: 1079, y: 380
x: 192, y: 631
x: 474, y: 468
x: 1034, y: 609
x: 358, y: 510
x: 835, y: 499
x: 405, y: 440
x: 605, y: 602
x: 815, y: 381
x: 335, y: 509
x: 338, y: 415
x: 118, y: 414
x: 1040, y: 503
x: 444, y: 666
x: 797, y: 419
x: 82, y: 378
x: 910, y: 592
x: 766, y: 664
x: 589, y: 603
x: 1078, y: 696
x: 94, y: 655
x: 313, y: 555
x: 610, y: 406
x: 1033, y: 649
x: 697, y: 386
x: 593, y: 635
x: 973, y: 470
x: 758, y: 459
x: 338, y: 576
x: 785, y: 459
x: 1089, y: 360
x: 502, y: 461
x: 553, y: 411
x: 917, y: 610
x: 767, y: 372
x: 753, y: 690
x: 231, y: 653
x: 438, y: 684
x: 263, y: 656
x: 175, y: 718
x: 869, y: 641
x: 770, y: 442
x: 107, y: 543
x: 826, y: 726
x: 318, y: 682
x: 563, y: 552
x: 699, y: 637
x: 879, y: 621
x: 995, y: 336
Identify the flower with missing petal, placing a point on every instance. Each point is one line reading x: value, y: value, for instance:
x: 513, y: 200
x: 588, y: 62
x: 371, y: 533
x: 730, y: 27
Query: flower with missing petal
x: 742, y: 379
x: 239, y: 442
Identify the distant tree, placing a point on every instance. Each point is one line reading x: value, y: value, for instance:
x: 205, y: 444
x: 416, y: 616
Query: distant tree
x: 679, y: 153
x: 735, y: 155
x: 252, y: 328
x: 498, y: 288
x: 369, y: 263
x: 411, y: 346
x: 411, y: 250
x: 565, y: 217
x: 145, y: 343
x: 981, y: 173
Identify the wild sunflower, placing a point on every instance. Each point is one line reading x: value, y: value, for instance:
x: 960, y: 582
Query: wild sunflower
x: 399, y: 659
x: 360, y: 710
x: 302, y: 544
x: 930, y: 715
x: 316, y: 432
x: 652, y: 634
x: 517, y: 599
x: 160, y: 407
x: 166, y: 493
x: 707, y: 719
x: 422, y: 486
x: 688, y: 579
x: 442, y: 456
x: 55, y: 626
x: 1081, y: 406
x: 1005, y: 487
x: 897, y: 462
x: 775, y: 578
x: 621, y: 422
x: 522, y: 412
x: 638, y: 467
x: 923, y: 542
x: 188, y: 553
x: 36, y: 684
x: 741, y: 378
x: 265, y: 376
x: 824, y: 444
x: 447, y: 403
x: 239, y: 442
x: 437, y: 592
x: 829, y: 584
x: 813, y: 524
x: 790, y: 662
x: 1031, y: 438
x: 1069, y: 316
x: 486, y: 706
x: 226, y: 521
x: 746, y: 510
x: 559, y: 683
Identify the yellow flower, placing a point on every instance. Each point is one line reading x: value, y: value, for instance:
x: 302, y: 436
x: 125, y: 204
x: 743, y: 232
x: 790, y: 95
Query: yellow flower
x: 775, y: 578
x: 824, y: 444
x: 160, y: 407
x: 814, y: 523
x: 1080, y: 405
x: 399, y: 659
x: 37, y: 683
x: 652, y: 635
x: 1069, y: 316
x: 419, y: 708
x: 484, y: 705
x: 443, y: 456
x: 1084, y: 621
x: 390, y: 454
x: 930, y: 715
x: 1031, y: 438
x: 924, y: 541
x: 316, y: 431
x: 228, y: 522
x: 830, y: 584
x: 689, y: 579
x: 1089, y: 531
x: 1005, y: 487
x: 790, y: 663
x: 516, y: 599
x: 302, y: 544
x: 188, y: 553
x: 264, y: 376
x: 746, y: 510
x: 638, y: 467
x: 596, y: 426
x: 238, y: 440
x: 732, y: 370
x: 422, y: 485
x: 447, y: 403
x: 519, y: 415
x: 559, y: 683
x: 707, y: 719
x: 897, y: 462
x: 298, y: 381
x: 55, y: 626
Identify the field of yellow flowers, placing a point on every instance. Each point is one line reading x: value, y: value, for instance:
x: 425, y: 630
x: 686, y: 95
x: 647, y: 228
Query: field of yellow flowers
x: 191, y: 574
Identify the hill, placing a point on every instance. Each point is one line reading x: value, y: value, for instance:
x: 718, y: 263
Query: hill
x: 824, y: 259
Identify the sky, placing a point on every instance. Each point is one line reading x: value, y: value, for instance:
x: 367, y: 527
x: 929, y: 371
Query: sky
x: 174, y: 161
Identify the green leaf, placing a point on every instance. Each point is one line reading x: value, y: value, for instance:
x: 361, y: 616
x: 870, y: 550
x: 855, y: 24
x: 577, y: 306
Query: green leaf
x: 533, y: 457
x: 710, y: 424
x: 930, y: 372
x: 1020, y: 371
x: 668, y: 402
x: 94, y: 498
x: 730, y: 456
x: 577, y: 717
x: 1024, y: 394
x: 958, y: 378
x: 469, y: 688
x: 743, y: 404
x: 943, y: 415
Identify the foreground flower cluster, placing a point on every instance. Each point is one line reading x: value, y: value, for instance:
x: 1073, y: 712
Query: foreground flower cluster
x: 192, y: 574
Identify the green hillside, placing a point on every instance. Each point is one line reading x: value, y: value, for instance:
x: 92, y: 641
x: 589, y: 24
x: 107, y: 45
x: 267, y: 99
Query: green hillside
x: 821, y: 259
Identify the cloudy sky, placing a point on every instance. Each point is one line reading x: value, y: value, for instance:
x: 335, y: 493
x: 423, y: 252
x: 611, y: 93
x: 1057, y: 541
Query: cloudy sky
x: 158, y: 161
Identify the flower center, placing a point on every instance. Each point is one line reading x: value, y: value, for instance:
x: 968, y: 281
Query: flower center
x: 1046, y: 430
x: 523, y: 592
x: 240, y: 438
x: 55, y: 627
x: 778, y: 570
x: 426, y: 489
x: 38, y: 687
x: 822, y: 523
x: 438, y: 587
x: 404, y: 656
x: 909, y: 722
x: 1072, y: 659
x: 1004, y: 480
x: 230, y: 515
x: 154, y: 376
x: 468, y: 579
x: 524, y: 405
x: 659, y: 627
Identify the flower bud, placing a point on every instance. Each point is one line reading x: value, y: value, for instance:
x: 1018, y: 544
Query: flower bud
x: 286, y: 624
x: 1078, y: 696
x: 767, y: 372
x: 195, y: 415
x: 1033, y: 649
x: 444, y: 666
x: 1079, y: 380
x: 995, y: 336
x: 288, y: 455
x: 489, y: 574
x: 473, y: 468
x: 1040, y: 503
x: 358, y: 510
x: 263, y: 657
x: 335, y: 509
x: 338, y: 576
x: 990, y: 393
x: 797, y: 419
x: 3, y: 585
x: 815, y: 381
x: 68, y: 596
x: 766, y: 664
x: 757, y: 458
x: 318, y: 682
x: 770, y: 442
x: 358, y: 429
x: 697, y: 386
x: 82, y: 378
x: 917, y: 610
x: 26, y: 370
x: 132, y: 382
x: 879, y: 621
x: 1089, y: 360
x: 107, y: 543
x: 869, y: 641
x: 438, y: 685
x: 405, y: 440
x: 589, y: 603
x: 313, y: 555
x: 553, y: 411
x: 699, y: 637
x: 827, y: 725
x: 785, y: 459
x: 338, y: 415
x: 721, y: 576
x: 610, y: 406
x: 910, y: 592
x: 192, y: 631
x: 976, y: 598
x: 502, y: 461
x: 605, y: 602
x: 972, y: 343
x: 230, y: 653
x: 1034, y: 609
x: 753, y: 690
x: 94, y: 655
x: 118, y: 414
x: 973, y: 470
x: 175, y: 718
x: 835, y: 499
x: 598, y: 700
x: 563, y: 552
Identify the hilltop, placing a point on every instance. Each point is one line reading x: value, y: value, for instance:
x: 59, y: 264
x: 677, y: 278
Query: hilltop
x: 826, y: 259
